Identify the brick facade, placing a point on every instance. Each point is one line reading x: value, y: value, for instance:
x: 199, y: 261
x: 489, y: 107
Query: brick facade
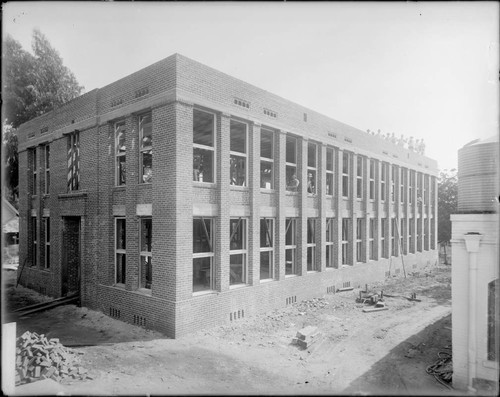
x: 170, y: 91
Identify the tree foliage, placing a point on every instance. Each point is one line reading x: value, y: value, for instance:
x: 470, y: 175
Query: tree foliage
x: 447, y: 202
x: 33, y: 84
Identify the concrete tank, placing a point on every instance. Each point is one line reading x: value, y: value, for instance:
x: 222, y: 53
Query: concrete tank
x: 478, y: 185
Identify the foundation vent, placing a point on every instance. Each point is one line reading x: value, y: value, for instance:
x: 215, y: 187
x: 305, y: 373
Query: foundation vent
x: 139, y: 320
x: 290, y: 300
x: 236, y: 315
x: 330, y: 290
x: 346, y: 284
x: 114, y: 312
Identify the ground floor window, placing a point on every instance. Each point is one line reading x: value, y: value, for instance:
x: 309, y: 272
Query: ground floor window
x: 146, y: 241
x: 47, y: 243
x: 394, y: 237
x: 419, y: 235
x: 360, y: 252
x: 120, y: 250
x: 203, y: 254
x: 426, y: 234
x: 238, y: 251
x: 493, y: 319
x: 371, y: 239
x: 346, y: 256
x: 266, y: 248
x: 34, y: 249
x: 290, y: 246
x: 330, y: 250
x: 311, y: 244
x: 383, y: 241
x: 402, y: 234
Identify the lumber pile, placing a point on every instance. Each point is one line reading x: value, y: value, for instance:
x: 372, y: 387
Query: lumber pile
x: 307, y: 336
x: 40, y: 358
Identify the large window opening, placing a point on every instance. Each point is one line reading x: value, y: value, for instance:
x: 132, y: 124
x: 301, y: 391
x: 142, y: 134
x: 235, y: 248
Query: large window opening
x: 359, y: 177
x: 73, y: 161
x: 290, y: 246
x: 346, y: 255
x: 411, y: 235
x: 120, y: 153
x: 203, y: 146
x: 34, y: 174
x: 403, y: 181
x: 203, y: 254
x: 329, y: 171
x: 47, y: 243
x: 47, y: 169
x: 146, y: 148
x: 493, y: 320
x: 146, y: 266
x: 311, y: 244
x: 371, y: 239
x: 402, y: 234
x: 383, y: 178
x: 120, y: 251
x: 266, y: 248
x: 383, y: 240
x: 360, y: 231
x: 238, y: 251
x: 345, y: 174
x: 238, y: 153
x: 394, y: 241
x: 292, y: 180
x: 372, y: 179
x: 34, y: 245
x: 411, y: 187
x: 311, y: 167
x: 330, y: 250
x: 266, y: 159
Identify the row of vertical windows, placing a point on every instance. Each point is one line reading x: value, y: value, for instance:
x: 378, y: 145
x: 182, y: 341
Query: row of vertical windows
x: 45, y: 242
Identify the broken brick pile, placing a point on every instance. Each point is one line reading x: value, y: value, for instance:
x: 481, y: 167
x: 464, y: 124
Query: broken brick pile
x: 40, y: 358
x: 312, y: 304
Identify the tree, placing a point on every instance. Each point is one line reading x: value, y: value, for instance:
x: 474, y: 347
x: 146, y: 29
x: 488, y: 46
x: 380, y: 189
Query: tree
x: 32, y: 85
x: 447, y: 204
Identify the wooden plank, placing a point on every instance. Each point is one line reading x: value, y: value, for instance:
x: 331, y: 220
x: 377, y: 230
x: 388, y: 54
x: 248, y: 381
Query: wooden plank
x: 374, y: 309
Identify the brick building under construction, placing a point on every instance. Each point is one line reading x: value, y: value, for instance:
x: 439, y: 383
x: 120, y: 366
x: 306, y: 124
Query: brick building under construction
x: 179, y: 198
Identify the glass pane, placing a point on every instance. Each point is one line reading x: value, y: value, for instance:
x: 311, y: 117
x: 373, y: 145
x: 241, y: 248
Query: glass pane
x: 290, y: 238
x: 120, y: 234
x: 292, y: 182
x: 120, y: 268
x: 266, y: 174
x: 266, y: 233
x: 203, y: 161
x: 311, y: 253
x: 311, y: 155
x: 237, y: 269
x: 266, y: 265
x: 238, y: 170
x: 311, y: 231
x: 359, y: 229
x: 266, y: 144
x: 311, y: 182
x: 47, y: 157
x: 359, y: 166
x: 146, y: 272
x: 345, y: 186
x: 203, y: 128
x: 202, y: 274
x: 237, y: 230
x: 238, y: 137
x: 202, y: 235
x: 291, y: 150
x: 146, y: 234
x: 290, y: 261
x: 345, y: 163
x: 329, y: 159
x: 147, y: 166
x: 329, y: 229
x: 120, y: 138
x: 121, y: 164
x: 329, y: 184
x: 359, y: 187
x: 146, y: 129
x: 345, y: 229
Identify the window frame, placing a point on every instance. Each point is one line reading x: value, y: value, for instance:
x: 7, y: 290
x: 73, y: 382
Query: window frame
x: 212, y: 149
x: 270, y: 249
x: 359, y: 177
x: 146, y: 255
x: 34, y: 241
x: 120, y: 251
x: 34, y: 164
x: 291, y: 222
x: 46, y: 152
x: 311, y: 245
x: 240, y: 155
x: 373, y: 163
x: 268, y: 160
x: 346, y: 168
x: 120, y: 126
x: 210, y: 237
x: 411, y: 186
x: 383, y: 181
x: 403, y: 181
x: 312, y: 169
x: 411, y: 236
x: 383, y: 241
x: 144, y: 149
x: 394, y: 238
x: 360, y: 233
x: 73, y: 178
x: 329, y: 243
x: 393, y: 182
x: 291, y: 165
x: 46, y: 237
x: 345, y: 242
x: 371, y: 238
x: 239, y: 251
x: 330, y: 179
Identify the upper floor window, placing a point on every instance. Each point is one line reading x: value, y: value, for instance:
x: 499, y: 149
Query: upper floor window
x: 292, y: 181
x: 426, y: 189
x: 402, y: 234
x: 145, y: 265
x: 383, y: 179
x: 345, y: 174
x: 394, y: 171
x: 411, y: 186
x: 120, y: 153
x: 238, y: 153
x: 329, y: 171
x: 372, y: 179
x: 203, y: 146
x: 266, y: 159
x: 34, y: 245
x: 359, y: 177
x: 47, y: 168
x: 34, y: 167
x: 74, y: 161
x: 403, y: 181
x: 311, y: 167
x: 146, y: 147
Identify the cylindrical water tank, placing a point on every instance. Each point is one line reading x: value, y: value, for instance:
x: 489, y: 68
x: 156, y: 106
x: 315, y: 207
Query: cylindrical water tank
x: 478, y: 176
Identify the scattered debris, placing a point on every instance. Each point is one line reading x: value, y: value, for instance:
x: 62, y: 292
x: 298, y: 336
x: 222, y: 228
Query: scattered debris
x: 40, y: 358
x: 307, y: 336
x: 312, y: 304
x: 378, y: 307
x: 442, y: 369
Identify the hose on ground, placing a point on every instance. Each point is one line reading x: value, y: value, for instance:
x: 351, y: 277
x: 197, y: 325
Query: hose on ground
x: 442, y: 369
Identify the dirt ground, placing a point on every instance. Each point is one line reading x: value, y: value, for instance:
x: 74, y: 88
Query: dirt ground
x: 384, y: 352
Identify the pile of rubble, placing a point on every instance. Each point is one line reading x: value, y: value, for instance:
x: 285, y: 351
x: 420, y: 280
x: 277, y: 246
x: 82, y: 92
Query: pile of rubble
x: 40, y: 358
x: 312, y: 304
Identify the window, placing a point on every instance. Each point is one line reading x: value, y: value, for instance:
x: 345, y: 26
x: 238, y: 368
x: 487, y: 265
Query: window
x: 266, y: 248
x: 411, y: 236
x: 238, y: 251
x: 433, y: 234
x: 426, y: 190
x: 372, y: 178
x: 74, y: 161
x: 394, y: 241
x: 371, y: 239
x: 238, y: 151
x: 120, y: 250
x: 311, y: 244
x: 145, y: 266
x: 329, y: 172
x: 146, y: 148
x: 120, y: 153
x: 203, y: 254
x: 426, y: 234
x: 311, y: 167
x: 345, y: 174
x: 330, y: 253
x: 403, y: 180
x: 47, y: 169
x: 402, y: 234
x: 433, y: 191
x: 266, y: 159
x: 47, y: 243
x: 359, y: 177
x: 419, y: 192
x: 493, y: 320
x: 383, y: 177
x: 360, y: 253
x: 34, y: 249
x: 345, y: 242
x: 291, y: 246
x: 394, y: 170
x: 203, y: 146
x: 411, y: 187
x: 419, y: 235
x: 292, y: 181
x: 34, y: 167
x: 383, y: 233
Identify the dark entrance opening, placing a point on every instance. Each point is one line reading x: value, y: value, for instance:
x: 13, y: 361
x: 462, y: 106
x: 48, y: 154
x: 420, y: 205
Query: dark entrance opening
x: 71, y: 256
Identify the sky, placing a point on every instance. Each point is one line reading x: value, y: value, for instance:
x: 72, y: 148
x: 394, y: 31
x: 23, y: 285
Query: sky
x: 427, y: 70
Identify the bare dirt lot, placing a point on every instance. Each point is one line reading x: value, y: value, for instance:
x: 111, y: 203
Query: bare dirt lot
x: 385, y: 352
